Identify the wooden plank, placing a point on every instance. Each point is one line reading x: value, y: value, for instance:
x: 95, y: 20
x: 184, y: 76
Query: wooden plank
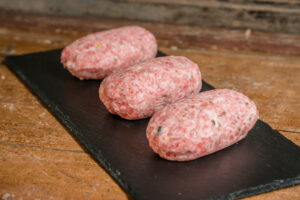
x: 268, y: 16
x: 293, y: 136
x: 290, y: 2
x: 291, y: 193
x: 59, y: 30
x: 16, y: 42
x: 285, y: 7
x: 31, y: 173
x: 24, y: 117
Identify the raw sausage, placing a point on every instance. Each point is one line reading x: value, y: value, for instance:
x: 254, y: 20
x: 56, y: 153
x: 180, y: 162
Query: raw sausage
x: 138, y: 91
x: 201, y: 124
x: 97, y: 55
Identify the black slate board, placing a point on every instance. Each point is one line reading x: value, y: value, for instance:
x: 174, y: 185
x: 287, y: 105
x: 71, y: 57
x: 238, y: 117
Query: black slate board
x: 262, y: 162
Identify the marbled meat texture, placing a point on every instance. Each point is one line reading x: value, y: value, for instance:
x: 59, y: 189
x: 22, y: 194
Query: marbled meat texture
x: 97, y: 55
x: 138, y: 91
x: 201, y: 124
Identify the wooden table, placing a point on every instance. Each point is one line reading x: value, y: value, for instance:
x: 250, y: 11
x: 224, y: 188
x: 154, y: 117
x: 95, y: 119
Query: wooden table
x: 39, y: 159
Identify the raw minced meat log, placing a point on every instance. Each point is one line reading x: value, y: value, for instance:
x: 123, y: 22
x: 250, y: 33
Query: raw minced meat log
x: 201, y: 124
x: 138, y: 91
x: 97, y: 55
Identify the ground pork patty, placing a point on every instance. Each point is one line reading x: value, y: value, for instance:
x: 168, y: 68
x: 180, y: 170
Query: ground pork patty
x: 138, y: 91
x: 201, y: 124
x: 97, y: 55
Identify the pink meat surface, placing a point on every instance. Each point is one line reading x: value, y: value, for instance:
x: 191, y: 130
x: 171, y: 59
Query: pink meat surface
x: 97, y: 55
x: 201, y: 124
x: 138, y: 91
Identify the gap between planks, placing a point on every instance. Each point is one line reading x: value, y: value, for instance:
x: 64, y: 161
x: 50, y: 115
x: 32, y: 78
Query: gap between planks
x: 43, y: 148
x: 296, y: 132
x: 211, y: 52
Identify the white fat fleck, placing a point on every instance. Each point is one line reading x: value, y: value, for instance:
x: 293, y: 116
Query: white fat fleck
x: 192, y: 125
x: 165, y: 84
x: 116, y: 109
x: 114, y: 105
x: 213, y: 122
x: 218, y: 99
x: 166, y: 138
x: 139, y: 97
x: 139, y: 68
x: 123, y: 107
x: 70, y: 64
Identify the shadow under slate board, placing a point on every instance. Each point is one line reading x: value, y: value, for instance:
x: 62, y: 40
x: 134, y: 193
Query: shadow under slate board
x: 262, y: 162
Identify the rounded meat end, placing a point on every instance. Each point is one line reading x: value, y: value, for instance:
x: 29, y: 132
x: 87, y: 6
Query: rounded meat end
x: 99, y: 54
x: 136, y: 92
x: 201, y: 124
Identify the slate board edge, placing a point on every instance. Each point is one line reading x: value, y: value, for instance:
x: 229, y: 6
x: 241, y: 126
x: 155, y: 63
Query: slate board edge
x: 9, y: 62
x: 277, y: 184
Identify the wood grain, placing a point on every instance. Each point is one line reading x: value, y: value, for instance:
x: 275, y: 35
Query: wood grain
x: 57, y: 31
x: 32, y: 173
x: 275, y: 16
x: 39, y: 159
x: 26, y: 116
